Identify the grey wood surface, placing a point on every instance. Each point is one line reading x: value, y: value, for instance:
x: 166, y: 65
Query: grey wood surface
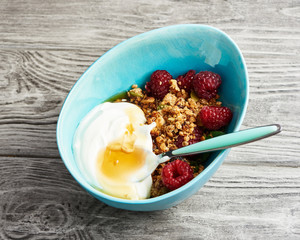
x: 44, y: 48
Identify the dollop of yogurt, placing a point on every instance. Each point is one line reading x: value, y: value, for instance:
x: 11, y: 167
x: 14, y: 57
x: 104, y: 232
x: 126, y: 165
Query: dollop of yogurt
x: 111, y: 145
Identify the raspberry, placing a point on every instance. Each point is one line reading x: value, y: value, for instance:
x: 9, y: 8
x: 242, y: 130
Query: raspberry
x: 197, y: 137
x: 177, y: 173
x: 206, y: 83
x: 213, y: 118
x: 159, y: 84
x: 179, y: 141
x: 185, y: 81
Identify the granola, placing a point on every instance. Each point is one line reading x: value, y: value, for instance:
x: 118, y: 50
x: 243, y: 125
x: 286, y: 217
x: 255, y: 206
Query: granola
x: 175, y: 115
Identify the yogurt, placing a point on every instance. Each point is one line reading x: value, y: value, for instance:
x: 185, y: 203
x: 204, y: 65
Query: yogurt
x: 111, y: 145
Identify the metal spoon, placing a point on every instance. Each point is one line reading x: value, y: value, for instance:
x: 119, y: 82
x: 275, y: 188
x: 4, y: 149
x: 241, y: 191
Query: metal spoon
x: 217, y: 143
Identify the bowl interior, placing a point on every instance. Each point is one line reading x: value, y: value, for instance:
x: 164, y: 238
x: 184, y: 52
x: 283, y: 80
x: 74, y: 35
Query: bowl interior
x: 176, y: 49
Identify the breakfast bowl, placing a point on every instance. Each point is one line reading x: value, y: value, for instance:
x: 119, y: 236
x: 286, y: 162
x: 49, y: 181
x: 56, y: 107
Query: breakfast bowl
x: 176, y: 49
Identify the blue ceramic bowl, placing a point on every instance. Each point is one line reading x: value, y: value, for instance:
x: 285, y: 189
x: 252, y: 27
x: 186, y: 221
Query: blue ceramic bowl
x: 176, y: 49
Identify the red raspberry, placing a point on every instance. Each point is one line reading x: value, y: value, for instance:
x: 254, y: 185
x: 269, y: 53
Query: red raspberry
x: 159, y: 84
x: 179, y: 141
x: 197, y: 137
x: 213, y: 118
x: 185, y: 81
x: 177, y: 173
x: 206, y: 83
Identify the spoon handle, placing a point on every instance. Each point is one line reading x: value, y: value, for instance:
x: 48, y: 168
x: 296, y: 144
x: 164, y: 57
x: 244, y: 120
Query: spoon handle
x: 226, y: 141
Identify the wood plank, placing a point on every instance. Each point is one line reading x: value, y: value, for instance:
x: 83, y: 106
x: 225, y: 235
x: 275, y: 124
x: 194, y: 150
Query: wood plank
x: 78, y: 25
x: 34, y: 85
x: 244, y: 202
x: 33, y: 93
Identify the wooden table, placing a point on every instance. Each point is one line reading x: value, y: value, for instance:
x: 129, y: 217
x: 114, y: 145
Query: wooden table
x: 45, y: 46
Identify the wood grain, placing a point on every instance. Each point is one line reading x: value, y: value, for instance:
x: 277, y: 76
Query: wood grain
x: 45, y: 46
x: 34, y: 206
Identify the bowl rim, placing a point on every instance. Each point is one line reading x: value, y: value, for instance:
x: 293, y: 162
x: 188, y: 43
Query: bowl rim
x: 102, y: 195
